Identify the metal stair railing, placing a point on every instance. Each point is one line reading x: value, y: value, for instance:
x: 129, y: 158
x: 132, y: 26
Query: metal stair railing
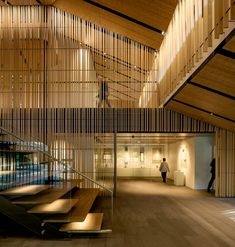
x: 53, y: 159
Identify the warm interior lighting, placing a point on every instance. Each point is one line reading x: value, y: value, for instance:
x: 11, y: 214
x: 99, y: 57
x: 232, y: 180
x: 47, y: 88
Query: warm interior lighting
x: 92, y: 222
x: 27, y: 189
x: 230, y: 214
x: 58, y: 206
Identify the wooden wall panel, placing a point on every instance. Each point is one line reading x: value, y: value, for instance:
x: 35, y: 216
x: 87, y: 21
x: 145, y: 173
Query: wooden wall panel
x: 193, y: 33
x: 225, y: 148
x: 101, y: 120
x: 225, y: 163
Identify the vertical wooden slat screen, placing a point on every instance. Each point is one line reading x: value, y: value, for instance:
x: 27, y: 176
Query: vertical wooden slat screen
x: 51, y: 65
x: 232, y: 13
x: 194, y: 27
x: 225, y: 166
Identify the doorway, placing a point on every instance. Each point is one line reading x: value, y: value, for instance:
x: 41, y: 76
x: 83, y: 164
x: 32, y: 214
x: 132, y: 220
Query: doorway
x: 139, y: 155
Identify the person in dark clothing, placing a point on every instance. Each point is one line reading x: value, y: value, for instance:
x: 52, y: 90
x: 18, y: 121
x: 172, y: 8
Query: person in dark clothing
x: 212, y: 175
x: 103, y: 94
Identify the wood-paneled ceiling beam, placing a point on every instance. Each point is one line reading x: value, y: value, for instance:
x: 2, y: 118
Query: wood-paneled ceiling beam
x: 155, y: 13
x: 138, y: 22
x: 203, y: 110
x: 111, y: 22
x: 211, y: 90
x: 201, y: 115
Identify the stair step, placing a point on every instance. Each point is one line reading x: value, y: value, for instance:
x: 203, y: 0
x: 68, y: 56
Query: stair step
x: 18, y: 151
x: 92, y: 223
x: 47, y: 196
x: 35, y: 163
x: 25, y: 190
x: 85, y: 197
x: 59, y: 206
x: 6, y: 173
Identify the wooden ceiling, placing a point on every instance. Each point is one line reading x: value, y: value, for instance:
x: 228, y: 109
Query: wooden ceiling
x: 210, y: 94
x: 125, y: 67
x: 133, y: 19
x: 144, y: 139
x: 18, y: 2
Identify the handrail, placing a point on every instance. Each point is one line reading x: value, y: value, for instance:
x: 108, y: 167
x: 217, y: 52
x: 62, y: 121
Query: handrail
x: 57, y: 160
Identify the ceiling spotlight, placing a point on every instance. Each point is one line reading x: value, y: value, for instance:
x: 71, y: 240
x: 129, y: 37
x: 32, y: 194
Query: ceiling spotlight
x: 163, y: 33
x: 211, y: 113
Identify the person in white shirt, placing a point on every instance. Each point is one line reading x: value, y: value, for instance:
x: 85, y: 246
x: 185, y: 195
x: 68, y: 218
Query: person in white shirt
x: 164, y: 168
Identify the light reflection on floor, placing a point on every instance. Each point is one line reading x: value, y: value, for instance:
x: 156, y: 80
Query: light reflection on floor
x: 230, y: 214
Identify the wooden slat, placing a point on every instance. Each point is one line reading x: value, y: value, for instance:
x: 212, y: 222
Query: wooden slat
x: 25, y: 190
x: 60, y: 206
x: 186, y: 55
x: 225, y: 163
x: 85, y: 197
x: 92, y: 222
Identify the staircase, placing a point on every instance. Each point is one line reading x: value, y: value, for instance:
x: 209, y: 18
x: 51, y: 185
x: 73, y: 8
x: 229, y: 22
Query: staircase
x: 43, y: 200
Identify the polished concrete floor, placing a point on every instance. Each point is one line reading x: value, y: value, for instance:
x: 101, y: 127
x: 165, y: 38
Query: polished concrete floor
x: 149, y: 213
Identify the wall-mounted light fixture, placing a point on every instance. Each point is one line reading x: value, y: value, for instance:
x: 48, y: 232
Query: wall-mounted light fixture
x: 183, y: 158
x: 142, y: 154
x: 126, y: 156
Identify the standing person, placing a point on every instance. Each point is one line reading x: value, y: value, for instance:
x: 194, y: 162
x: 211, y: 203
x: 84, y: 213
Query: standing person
x: 103, y: 94
x: 212, y: 175
x: 164, y: 168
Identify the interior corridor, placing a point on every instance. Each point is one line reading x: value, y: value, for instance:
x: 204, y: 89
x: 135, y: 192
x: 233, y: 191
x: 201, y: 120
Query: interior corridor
x: 149, y: 213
